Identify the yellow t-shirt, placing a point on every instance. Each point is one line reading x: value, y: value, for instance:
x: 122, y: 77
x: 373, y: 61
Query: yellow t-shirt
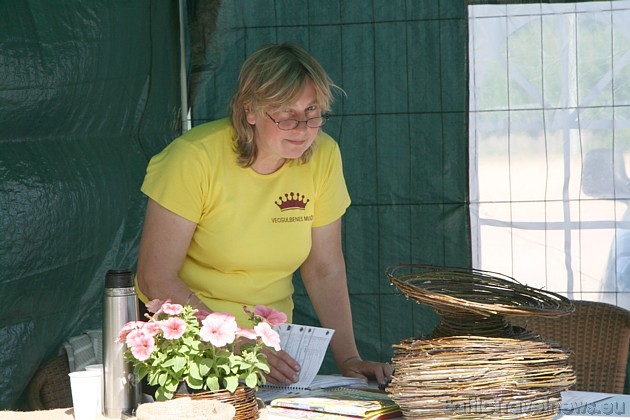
x: 253, y: 231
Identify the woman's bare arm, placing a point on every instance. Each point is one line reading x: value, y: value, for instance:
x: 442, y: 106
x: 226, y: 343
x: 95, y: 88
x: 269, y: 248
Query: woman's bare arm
x: 324, y: 275
x: 165, y: 240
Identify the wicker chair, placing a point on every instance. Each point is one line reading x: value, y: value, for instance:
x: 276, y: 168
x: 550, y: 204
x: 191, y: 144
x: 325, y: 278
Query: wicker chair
x: 50, y: 386
x: 598, y: 335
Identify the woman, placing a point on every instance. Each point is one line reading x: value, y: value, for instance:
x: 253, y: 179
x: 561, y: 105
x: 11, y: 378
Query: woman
x: 237, y: 205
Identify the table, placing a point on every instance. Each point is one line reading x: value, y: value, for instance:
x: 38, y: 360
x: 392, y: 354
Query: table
x: 575, y: 404
x: 61, y: 414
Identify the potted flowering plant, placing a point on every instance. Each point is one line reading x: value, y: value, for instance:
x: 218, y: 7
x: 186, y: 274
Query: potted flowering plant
x: 206, y: 351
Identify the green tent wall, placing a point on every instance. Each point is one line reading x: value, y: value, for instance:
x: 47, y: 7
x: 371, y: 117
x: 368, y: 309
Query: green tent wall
x: 89, y: 91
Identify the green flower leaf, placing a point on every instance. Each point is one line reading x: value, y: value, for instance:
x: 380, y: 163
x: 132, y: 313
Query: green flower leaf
x: 194, y: 383
x: 141, y: 371
x: 163, y: 394
x: 224, y: 352
x: 162, y: 378
x: 177, y: 363
x: 171, y: 385
x: 152, y: 377
x: 231, y: 383
x: 205, y: 366
x: 262, y: 366
x: 262, y: 358
x: 223, y: 366
x: 251, y: 380
x: 212, y: 382
x: 193, y: 372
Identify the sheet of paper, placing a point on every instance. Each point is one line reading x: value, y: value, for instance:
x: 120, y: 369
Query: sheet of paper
x: 329, y: 381
x: 307, y: 345
x: 575, y: 399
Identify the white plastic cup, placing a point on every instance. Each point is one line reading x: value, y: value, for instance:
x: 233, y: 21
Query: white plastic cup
x: 98, y: 368
x: 86, y: 385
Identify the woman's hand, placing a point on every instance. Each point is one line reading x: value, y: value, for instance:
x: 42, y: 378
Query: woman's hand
x: 284, y: 370
x: 357, y: 368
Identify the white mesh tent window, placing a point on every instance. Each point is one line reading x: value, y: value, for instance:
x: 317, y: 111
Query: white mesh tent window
x: 550, y: 144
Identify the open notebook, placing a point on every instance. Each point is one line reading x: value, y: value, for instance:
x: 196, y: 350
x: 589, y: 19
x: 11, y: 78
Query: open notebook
x: 307, y: 345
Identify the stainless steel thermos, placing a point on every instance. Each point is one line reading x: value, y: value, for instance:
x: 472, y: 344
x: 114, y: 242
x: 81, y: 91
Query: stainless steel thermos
x: 121, y: 392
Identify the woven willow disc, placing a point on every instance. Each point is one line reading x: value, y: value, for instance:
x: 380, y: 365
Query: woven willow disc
x: 471, y: 292
x: 464, y: 377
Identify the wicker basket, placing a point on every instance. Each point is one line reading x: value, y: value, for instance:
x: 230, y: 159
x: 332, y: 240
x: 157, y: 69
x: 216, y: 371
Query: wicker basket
x: 473, y: 301
x: 50, y: 386
x: 475, y: 364
x: 243, y: 400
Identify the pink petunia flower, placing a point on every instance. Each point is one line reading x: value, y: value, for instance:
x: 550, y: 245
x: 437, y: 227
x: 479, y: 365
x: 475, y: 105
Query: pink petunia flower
x: 127, y: 328
x: 219, y: 328
x: 154, y: 305
x: 172, y: 308
x: 246, y: 333
x: 143, y: 347
x: 152, y: 328
x: 134, y: 336
x: 270, y: 315
x: 268, y: 336
x: 173, y: 328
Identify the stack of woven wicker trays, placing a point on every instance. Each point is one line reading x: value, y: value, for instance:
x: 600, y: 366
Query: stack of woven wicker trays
x: 475, y: 364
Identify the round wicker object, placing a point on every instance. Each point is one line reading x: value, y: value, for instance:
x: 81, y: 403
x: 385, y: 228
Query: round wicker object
x: 475, y: 377
x: 474, y: 292
x: 473, y: 301
x: 475, y: 364
x: 243, y: 400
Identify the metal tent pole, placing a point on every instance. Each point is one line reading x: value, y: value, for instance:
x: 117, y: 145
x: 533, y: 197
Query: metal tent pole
x: 183, y: 79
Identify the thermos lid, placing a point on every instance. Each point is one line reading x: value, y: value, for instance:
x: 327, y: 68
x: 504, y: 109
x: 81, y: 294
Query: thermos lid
x: 118, y: 278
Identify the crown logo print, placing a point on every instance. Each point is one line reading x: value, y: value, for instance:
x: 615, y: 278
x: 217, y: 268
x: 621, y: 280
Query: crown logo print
x: 292, y: 201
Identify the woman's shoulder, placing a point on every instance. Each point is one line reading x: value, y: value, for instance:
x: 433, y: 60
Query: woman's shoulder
x: 326, y: 142
x: 201, y: 143
x: 209, y: 132
x: 325, y: 146
x: 205, y: 139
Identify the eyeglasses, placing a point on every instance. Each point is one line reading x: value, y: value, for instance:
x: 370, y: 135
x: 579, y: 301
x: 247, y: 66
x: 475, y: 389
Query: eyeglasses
x: 291, y: 124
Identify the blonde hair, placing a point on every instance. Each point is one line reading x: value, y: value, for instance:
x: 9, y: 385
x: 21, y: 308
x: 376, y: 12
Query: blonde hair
x: 271, y: 78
